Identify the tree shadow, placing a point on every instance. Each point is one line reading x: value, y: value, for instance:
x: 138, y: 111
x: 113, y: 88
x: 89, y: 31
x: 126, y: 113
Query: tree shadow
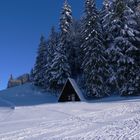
x: 115, y: 99
x: 26, y: 95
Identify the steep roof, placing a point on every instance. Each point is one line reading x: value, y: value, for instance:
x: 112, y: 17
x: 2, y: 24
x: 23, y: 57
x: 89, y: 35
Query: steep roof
x: 76, y: 88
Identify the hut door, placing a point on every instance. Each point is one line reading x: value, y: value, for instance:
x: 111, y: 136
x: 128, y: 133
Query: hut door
x: 69, y: 98
x: 73, y: 97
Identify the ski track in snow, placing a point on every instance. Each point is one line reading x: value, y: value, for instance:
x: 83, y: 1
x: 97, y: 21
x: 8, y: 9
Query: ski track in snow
x: 78, y: 121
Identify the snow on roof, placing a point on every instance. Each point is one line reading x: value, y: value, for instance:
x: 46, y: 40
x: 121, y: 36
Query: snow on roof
x: 76, y: 88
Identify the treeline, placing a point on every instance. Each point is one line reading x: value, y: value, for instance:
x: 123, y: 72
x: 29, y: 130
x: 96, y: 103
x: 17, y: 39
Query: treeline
x: 102, y: 50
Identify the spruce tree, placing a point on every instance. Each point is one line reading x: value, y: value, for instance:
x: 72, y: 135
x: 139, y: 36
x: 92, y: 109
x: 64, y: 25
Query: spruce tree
x: 32, y: 75
x: 76, y: 51
x: 106, y: 15
x: 95, y: 63
x: 40, y: 65
x: 123, y: 49
x: 137, y: 10
x: 113, y: 50
x: 66, y: 22
x: 65, y: 27
x: 129, y: 62
x: 52, y: 46
x: 60, y: 67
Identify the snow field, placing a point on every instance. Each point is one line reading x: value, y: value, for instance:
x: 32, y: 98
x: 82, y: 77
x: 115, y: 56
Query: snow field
x: 118, y: 120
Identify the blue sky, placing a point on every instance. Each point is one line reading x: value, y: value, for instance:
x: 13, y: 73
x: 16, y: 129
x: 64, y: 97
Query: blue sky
x: 21, y: 24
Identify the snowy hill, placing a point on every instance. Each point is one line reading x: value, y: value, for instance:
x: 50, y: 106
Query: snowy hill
x: 24, y: 95
x: 72, y: 121
x: 34, y: 119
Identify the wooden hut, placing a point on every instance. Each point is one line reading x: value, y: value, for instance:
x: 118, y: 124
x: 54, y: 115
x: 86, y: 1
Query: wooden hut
x: 71, y: 92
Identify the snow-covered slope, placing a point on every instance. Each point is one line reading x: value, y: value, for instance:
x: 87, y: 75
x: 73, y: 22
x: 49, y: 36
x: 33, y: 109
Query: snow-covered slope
x: 24, y: 95
x: 73, y: 121
x: 97, y: 120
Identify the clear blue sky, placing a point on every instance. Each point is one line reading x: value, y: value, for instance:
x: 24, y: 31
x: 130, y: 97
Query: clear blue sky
x: 21, y: 24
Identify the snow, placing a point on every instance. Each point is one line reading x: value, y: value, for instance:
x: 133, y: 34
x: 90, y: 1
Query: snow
x: 25, y: 95
x: 106, y: 119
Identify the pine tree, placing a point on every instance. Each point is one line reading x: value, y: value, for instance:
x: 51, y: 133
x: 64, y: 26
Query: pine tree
x: 32, y: 75
x: 137, y: 10
x: 40, y: 65
x: 76, y: 51
x: 106, y: 16
x: 11, y: 77
x: 123, y: 49
x: 52, y: 46
x: 94, y: 64
x: 66, y: 22
x: 113, y: 50
x: 65, y: 27
x: 60, y: 68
